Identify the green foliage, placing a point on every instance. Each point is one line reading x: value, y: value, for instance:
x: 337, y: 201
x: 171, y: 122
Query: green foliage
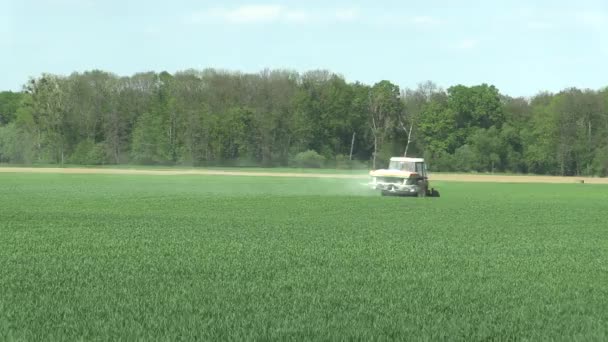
x: 441, y: 161
x: 437, y: 126
x: 16, y: 145
x: 477, y: 106
x: 385, y: 106
x: 9, y: 104
x: 106, y: 257
x: 8, y: 143
x: 308, y: 158
x: 88, y: 152
x: 149, y: 143
x: 342, y: 162
x: 488, y: 148
x: 465, y: 159
x: 600, y: 162
x: 214, y: 117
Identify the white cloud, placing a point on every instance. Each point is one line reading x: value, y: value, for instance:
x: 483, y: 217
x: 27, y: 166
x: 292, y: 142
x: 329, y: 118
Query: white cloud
x: 272, y: 13
x: 425, y: 20
x: 595, y: 20
x: 563, y: 20
x: 8, y: 29
x: 467, y: 44
x: 397, y: 20
x: 248, y: 13
x: 347, y: 14
x: 597, y: 23
x: 71, y: 3
x: 265, y: 13
x: 296, y: 16
x: 540, y: 25
x: 525, y: 11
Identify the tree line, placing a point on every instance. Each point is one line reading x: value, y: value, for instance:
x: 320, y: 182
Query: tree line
x: 285, y: 118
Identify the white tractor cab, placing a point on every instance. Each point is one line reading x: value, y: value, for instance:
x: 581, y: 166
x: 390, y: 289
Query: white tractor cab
x: 404, y: 176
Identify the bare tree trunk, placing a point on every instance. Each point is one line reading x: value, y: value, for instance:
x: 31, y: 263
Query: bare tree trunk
x: 375, y: 133
x: 562, y: 157
x: 62, y: 156
x: 407, y: 145
x: 409, y: 135
x: 285, y: 157
x: 352, y: 145
x: 173, y: 136
x: 375, y: 151
x: 590, y: 150
x: 116, y: 159
x: 589, y: 133
x: 39, y: 143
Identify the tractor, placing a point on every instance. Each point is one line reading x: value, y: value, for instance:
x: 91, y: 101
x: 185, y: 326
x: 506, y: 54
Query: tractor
x: 404, y: 177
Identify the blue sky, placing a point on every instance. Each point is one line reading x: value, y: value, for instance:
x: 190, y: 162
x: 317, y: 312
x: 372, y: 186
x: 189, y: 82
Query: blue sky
x: 521, y: 47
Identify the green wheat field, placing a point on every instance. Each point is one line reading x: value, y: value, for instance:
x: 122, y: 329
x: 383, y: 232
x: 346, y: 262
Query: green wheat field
x: 121, y: 257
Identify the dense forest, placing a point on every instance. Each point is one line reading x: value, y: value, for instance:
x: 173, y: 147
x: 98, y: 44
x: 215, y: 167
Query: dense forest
x: 284, y: 118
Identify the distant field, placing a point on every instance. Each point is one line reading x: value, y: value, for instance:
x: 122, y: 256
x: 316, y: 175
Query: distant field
x: 178, y: 167
x: 300, y: 173
x: 243, y: 169
x: 131, y: 257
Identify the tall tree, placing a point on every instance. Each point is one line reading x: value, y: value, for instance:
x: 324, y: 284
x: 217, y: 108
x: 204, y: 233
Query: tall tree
x: 384, y: 107
x: 414, y: 103
x: 51, y: 108
x: 9, y: 104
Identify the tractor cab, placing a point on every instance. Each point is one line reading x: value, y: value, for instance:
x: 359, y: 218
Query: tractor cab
x: 411, y: 165
x: 404, y: 176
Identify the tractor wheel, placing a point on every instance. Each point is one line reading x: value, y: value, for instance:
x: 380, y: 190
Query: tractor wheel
x: 435, y: 193
x: 422, y: 193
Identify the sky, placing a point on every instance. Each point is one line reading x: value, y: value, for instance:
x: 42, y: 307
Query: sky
x: 521, y: 47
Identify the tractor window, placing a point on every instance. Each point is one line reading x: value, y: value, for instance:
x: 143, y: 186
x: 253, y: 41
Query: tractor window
x: 403, y: 166
x: 420, y: 169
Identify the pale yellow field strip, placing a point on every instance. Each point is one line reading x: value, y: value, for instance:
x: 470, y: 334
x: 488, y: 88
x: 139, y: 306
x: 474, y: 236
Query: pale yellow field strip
x: 437, y: 177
